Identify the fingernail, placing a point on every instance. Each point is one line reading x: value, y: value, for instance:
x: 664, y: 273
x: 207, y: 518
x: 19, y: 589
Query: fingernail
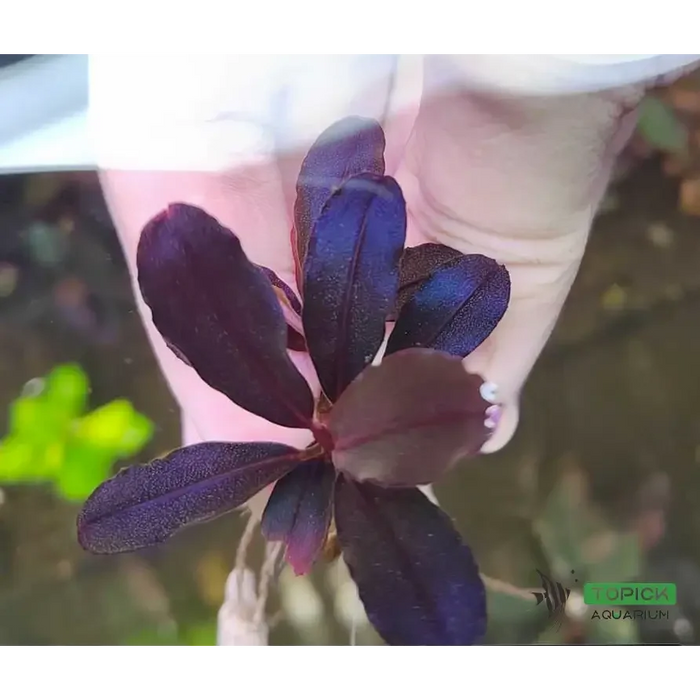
x: 493, y: 416
x: 489, y: 392
x: 505, y: 418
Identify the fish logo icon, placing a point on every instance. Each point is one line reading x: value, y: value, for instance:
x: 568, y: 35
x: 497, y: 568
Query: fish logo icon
x: 554, y: 594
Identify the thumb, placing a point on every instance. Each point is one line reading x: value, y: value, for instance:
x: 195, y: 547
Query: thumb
x: 517, y: 179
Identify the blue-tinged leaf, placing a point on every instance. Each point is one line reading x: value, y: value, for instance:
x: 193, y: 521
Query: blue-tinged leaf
x: 144, y: 505
x: 351, y: 277
x: 348, y: 147
x: 299, y: 510
x: 455, y: 309
x: 417, y: 265
x: 418, y: 581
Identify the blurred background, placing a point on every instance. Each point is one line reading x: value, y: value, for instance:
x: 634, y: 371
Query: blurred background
x: 600, y: 483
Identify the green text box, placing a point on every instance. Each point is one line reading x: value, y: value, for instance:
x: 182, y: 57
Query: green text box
x: 629, y: 594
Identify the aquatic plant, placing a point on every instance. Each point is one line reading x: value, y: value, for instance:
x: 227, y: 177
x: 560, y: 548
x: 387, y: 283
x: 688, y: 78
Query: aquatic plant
x: 51, y: 439
x: 379, y: 428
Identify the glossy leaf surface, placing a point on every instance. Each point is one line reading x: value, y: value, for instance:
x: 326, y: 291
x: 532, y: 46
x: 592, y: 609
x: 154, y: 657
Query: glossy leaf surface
x: 351, y: 277
x: 455, y: 309
x: 417, y: 264
x: 348, y: 147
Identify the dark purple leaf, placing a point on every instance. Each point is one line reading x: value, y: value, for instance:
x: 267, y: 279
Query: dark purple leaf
x: 351, y: 276
x: 455, y: 309
x: 295, y: 340
x: 348, y: 147
x: 417, y: 264
x: 299, y: 512
x: 291, y: 308
x: 144, y: 505
x: 418, y: 582
x: 408, y: 420
x: 221, y: 313
x: 284, y: 292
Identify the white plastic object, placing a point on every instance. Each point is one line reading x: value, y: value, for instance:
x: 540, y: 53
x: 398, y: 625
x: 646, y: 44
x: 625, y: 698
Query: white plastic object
x: 559, y: 74
x: 43, y: 114
x: 205, y: 111
x: 236, y: 623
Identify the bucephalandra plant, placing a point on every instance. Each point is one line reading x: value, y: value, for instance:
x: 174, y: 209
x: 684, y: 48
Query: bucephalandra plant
x: 379, y: 430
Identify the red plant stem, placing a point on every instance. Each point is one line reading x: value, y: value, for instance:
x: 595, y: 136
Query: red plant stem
x: 323, y: 437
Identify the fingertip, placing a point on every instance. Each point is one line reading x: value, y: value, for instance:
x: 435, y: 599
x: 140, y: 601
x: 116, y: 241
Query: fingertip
x: 507, y: 425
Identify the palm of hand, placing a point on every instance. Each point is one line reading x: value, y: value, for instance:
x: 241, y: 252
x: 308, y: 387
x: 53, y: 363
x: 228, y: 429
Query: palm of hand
x: 517, y: 180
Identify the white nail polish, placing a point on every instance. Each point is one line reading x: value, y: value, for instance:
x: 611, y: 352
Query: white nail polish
x: 489, y: 392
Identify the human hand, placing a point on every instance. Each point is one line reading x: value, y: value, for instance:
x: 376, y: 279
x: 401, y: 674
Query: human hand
x: 515, y: 178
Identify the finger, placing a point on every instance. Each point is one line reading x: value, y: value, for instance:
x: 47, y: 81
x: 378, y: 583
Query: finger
x: 517, y: 179
x: 210, y: 132
x: 133, y: 198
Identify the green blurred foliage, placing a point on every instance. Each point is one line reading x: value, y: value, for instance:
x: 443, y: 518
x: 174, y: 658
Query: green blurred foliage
x: 514, y: 618
x: 578, y: 538
x: 582, y: 544
x: 51, y: 438
x: 196, y: 635
x: 579, y: 545
x: 660, y: 128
